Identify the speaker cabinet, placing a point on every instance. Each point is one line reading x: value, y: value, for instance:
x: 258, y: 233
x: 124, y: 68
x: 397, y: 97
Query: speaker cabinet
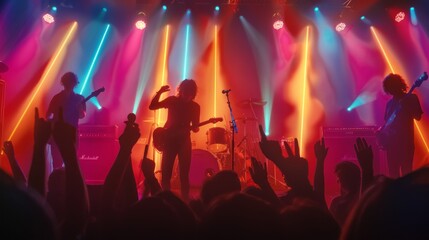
x: 96, y: 157
x: 340, y: 142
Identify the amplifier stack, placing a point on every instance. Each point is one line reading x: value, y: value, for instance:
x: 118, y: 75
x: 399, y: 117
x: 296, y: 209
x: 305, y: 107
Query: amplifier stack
x: 98, y: 147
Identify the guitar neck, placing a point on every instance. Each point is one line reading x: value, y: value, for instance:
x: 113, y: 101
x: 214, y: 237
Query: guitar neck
x: 204, y: 123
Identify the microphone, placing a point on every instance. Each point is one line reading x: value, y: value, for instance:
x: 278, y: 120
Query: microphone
x: 226, y: 91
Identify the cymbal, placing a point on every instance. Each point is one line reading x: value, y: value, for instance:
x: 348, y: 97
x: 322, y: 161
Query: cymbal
x: 3, y: 67
x: 253, y: 101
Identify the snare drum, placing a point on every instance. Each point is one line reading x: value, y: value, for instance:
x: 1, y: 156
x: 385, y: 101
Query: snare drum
x: 203, y: 165
x: 217, y: 140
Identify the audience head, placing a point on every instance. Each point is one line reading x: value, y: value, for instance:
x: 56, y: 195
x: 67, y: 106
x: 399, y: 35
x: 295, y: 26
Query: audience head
x: 186, y: 215
x: 392, y: 209
x: 223, y: 182
x: 240, y: 216
x: 305, y: 219
x: 150, y: 218
x: 349, y: 177
x: 25, y: 215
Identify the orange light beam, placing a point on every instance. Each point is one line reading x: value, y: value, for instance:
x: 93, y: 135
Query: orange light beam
x: 157, y: 156
x: 382, y: 49
x: 164, y: 66
x: 304, y: 88
x: 393, y: 71
x: 44, y: 76
x: 421, y: 135
x: 215, y: 73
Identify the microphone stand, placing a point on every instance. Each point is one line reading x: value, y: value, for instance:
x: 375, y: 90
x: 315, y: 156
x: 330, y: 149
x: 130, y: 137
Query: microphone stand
x: 234, y: 129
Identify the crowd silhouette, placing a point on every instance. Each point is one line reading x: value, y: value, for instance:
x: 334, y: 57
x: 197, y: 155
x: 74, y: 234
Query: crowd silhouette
x: 368, y: 207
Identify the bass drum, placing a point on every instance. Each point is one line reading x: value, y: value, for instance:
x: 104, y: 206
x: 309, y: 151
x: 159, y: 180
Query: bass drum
x: 203, y: 165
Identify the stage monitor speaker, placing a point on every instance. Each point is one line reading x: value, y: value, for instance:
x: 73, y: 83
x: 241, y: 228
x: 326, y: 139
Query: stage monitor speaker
x: 96, y: 152
x: 340, y: 142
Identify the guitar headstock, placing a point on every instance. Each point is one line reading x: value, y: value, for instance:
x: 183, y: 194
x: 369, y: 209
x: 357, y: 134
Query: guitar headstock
x: 97, y: 92
x: 215, y: 120
x: 422, y: 78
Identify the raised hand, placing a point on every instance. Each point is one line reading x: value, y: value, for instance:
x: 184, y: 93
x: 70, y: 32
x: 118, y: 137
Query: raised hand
x: 42, y: 133
x: 364, y: 153
x: 320, y: 150
x: 258, y: 172
x: 271, y: 149
x: 296, y: 167
x: 148, y: 168
x: 8, y: 149
x: 164, y: 88
x: 42, y: 129
x: 16, y: 169
x: 130, y: 136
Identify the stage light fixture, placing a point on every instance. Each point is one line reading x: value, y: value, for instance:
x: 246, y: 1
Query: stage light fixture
x: 399, y: 16
x: 164, y: 7
x: 48, y: 16
x: 340, y: 27
x: 316, y: 9
x: 413, y: 16
x: 217, y: 8
x: 277, y: 21
x: 365, y: 20
x: 141, y: 21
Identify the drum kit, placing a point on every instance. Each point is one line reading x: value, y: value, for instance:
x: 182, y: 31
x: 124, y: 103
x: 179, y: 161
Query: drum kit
x: 219, y: 142
x: 218, y: 156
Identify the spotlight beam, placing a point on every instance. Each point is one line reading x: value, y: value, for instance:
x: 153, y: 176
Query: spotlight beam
x: 185, y: 64
x: 215, y: 71
x: 59, y: 50
x: 382, y: 49
x: 304, y: 89
x: 93, y: 62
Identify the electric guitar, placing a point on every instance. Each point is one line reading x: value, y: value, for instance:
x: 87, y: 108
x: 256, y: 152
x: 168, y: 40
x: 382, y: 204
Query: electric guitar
x: 385, y: 133
x: 160, y: 134
x: 94, y: 94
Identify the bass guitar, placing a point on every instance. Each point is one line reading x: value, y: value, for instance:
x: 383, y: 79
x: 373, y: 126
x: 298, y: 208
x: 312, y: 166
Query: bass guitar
x: 94, y: 94
x: 385, y: 133
x: 160, y: 134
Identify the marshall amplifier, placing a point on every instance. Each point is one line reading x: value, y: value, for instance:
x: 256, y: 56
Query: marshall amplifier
x: 98, y: 131
x: 97, y: 150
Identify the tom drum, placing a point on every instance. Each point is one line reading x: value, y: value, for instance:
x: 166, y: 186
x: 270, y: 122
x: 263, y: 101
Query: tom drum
x: 217, y: 140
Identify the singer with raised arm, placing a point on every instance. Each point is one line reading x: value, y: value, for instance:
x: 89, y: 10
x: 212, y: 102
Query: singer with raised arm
x: 74, y: 108
x: 183, y: 116
x: 398, y: 130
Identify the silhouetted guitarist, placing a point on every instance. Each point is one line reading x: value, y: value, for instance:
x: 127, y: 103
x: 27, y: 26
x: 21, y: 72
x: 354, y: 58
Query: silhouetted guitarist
x: 183, y: 114
x: 401, y: 110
